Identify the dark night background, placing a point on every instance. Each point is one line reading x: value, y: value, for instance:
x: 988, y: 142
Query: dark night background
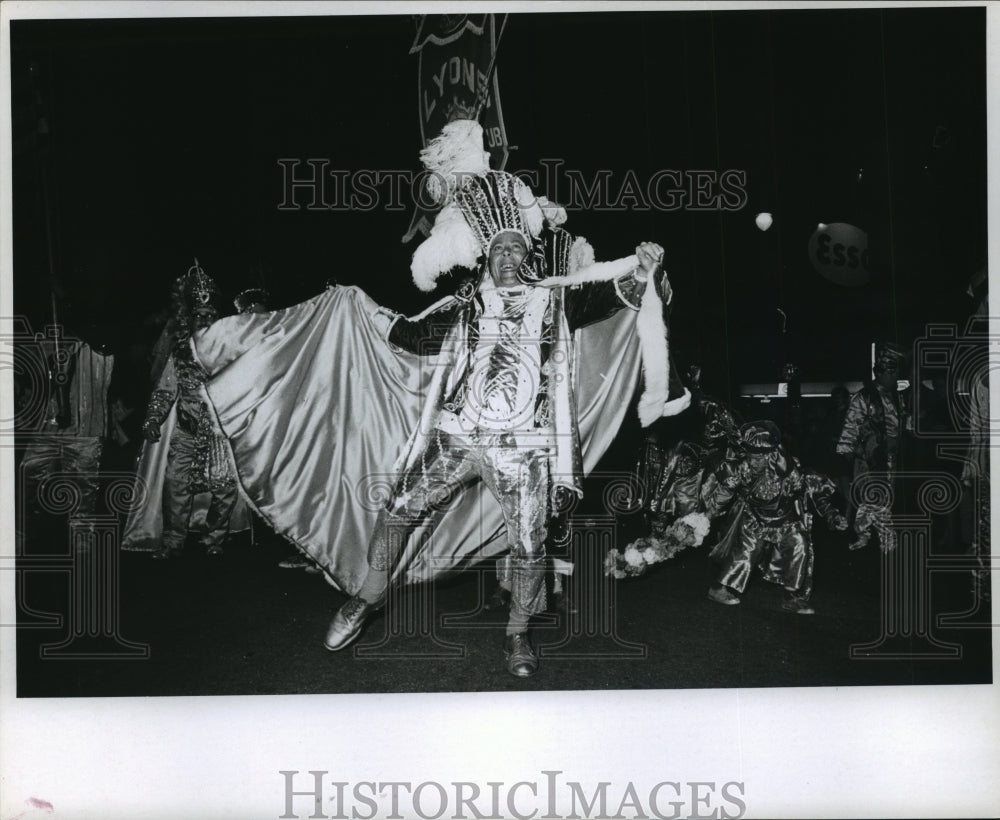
x: 163, y: 144
x: 165, y: 137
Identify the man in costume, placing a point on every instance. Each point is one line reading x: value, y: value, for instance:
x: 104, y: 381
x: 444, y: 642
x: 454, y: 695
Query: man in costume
x: 496, y: 420
x: 770, y: 523
x: 195, y: 479
x: 870, y: 438
x: 319, y: 399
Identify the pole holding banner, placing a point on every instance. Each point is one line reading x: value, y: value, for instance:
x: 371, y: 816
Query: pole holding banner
x: 457, y: 79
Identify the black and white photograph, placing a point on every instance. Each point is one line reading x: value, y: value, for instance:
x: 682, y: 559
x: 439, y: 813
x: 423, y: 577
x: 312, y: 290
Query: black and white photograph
x: 481, y: 410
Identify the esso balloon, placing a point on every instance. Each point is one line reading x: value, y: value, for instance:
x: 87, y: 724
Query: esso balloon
x: 839, y: 252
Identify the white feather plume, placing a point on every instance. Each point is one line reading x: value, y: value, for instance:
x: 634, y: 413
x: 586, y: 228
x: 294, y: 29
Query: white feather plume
x: 451, y: 243
x: 453, y: 155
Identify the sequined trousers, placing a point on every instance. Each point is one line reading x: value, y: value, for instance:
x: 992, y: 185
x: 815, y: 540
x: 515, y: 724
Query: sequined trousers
x: 518, y: 478
x: 196, y: 469
x: 784, y: 554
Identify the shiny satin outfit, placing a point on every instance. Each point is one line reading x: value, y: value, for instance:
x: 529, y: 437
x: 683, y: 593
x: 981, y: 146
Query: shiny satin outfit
x: 678, y: 491
x: 770, y: 525
x: 870, y: 436
x: 497, y: 419
x: 187, y: 477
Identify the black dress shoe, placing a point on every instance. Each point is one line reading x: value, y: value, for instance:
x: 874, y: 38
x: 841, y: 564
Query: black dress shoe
x: 348, y: 623
x: 522, y: 661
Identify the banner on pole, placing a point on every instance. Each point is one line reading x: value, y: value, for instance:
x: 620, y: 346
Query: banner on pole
x: 456, y: 78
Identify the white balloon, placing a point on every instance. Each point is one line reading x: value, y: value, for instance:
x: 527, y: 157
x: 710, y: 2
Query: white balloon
x: 764, y: 221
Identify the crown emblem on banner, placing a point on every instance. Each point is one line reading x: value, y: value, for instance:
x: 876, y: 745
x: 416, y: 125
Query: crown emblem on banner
x: 459, y: 110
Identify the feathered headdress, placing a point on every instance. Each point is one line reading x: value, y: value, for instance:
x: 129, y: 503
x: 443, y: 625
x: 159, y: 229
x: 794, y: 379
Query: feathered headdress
x: 477, y: 204
x: 497, y: 203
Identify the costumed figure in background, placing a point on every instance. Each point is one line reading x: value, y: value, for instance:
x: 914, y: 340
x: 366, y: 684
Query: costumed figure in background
x: 680, y: 476
x: 344, y: 437
x: 186, y: 481
x: 676, y: 517
x: 768, y: 524
x: 679, y: 490
x: 77, y: 422
x: 791, y: 564
x: 674, y: 474
x: 976, y: 473
x: 870, y: 438
x: 720, y: 438
x: 659, y: 443
x: 691, y: 469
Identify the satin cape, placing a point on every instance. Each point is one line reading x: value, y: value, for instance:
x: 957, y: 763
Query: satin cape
x: 318, y: 409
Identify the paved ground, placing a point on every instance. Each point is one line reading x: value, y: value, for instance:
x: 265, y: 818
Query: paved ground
x: 240, y: 625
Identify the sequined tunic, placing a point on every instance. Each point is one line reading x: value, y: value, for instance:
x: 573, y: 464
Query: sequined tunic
x: 183, y: 383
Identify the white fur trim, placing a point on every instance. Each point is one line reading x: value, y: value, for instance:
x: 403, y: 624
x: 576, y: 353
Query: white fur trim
x: 581, y: 255
x: 451, y: 243
x: 678, y: 405
x: 597, y: 272
x: 652, y: 332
